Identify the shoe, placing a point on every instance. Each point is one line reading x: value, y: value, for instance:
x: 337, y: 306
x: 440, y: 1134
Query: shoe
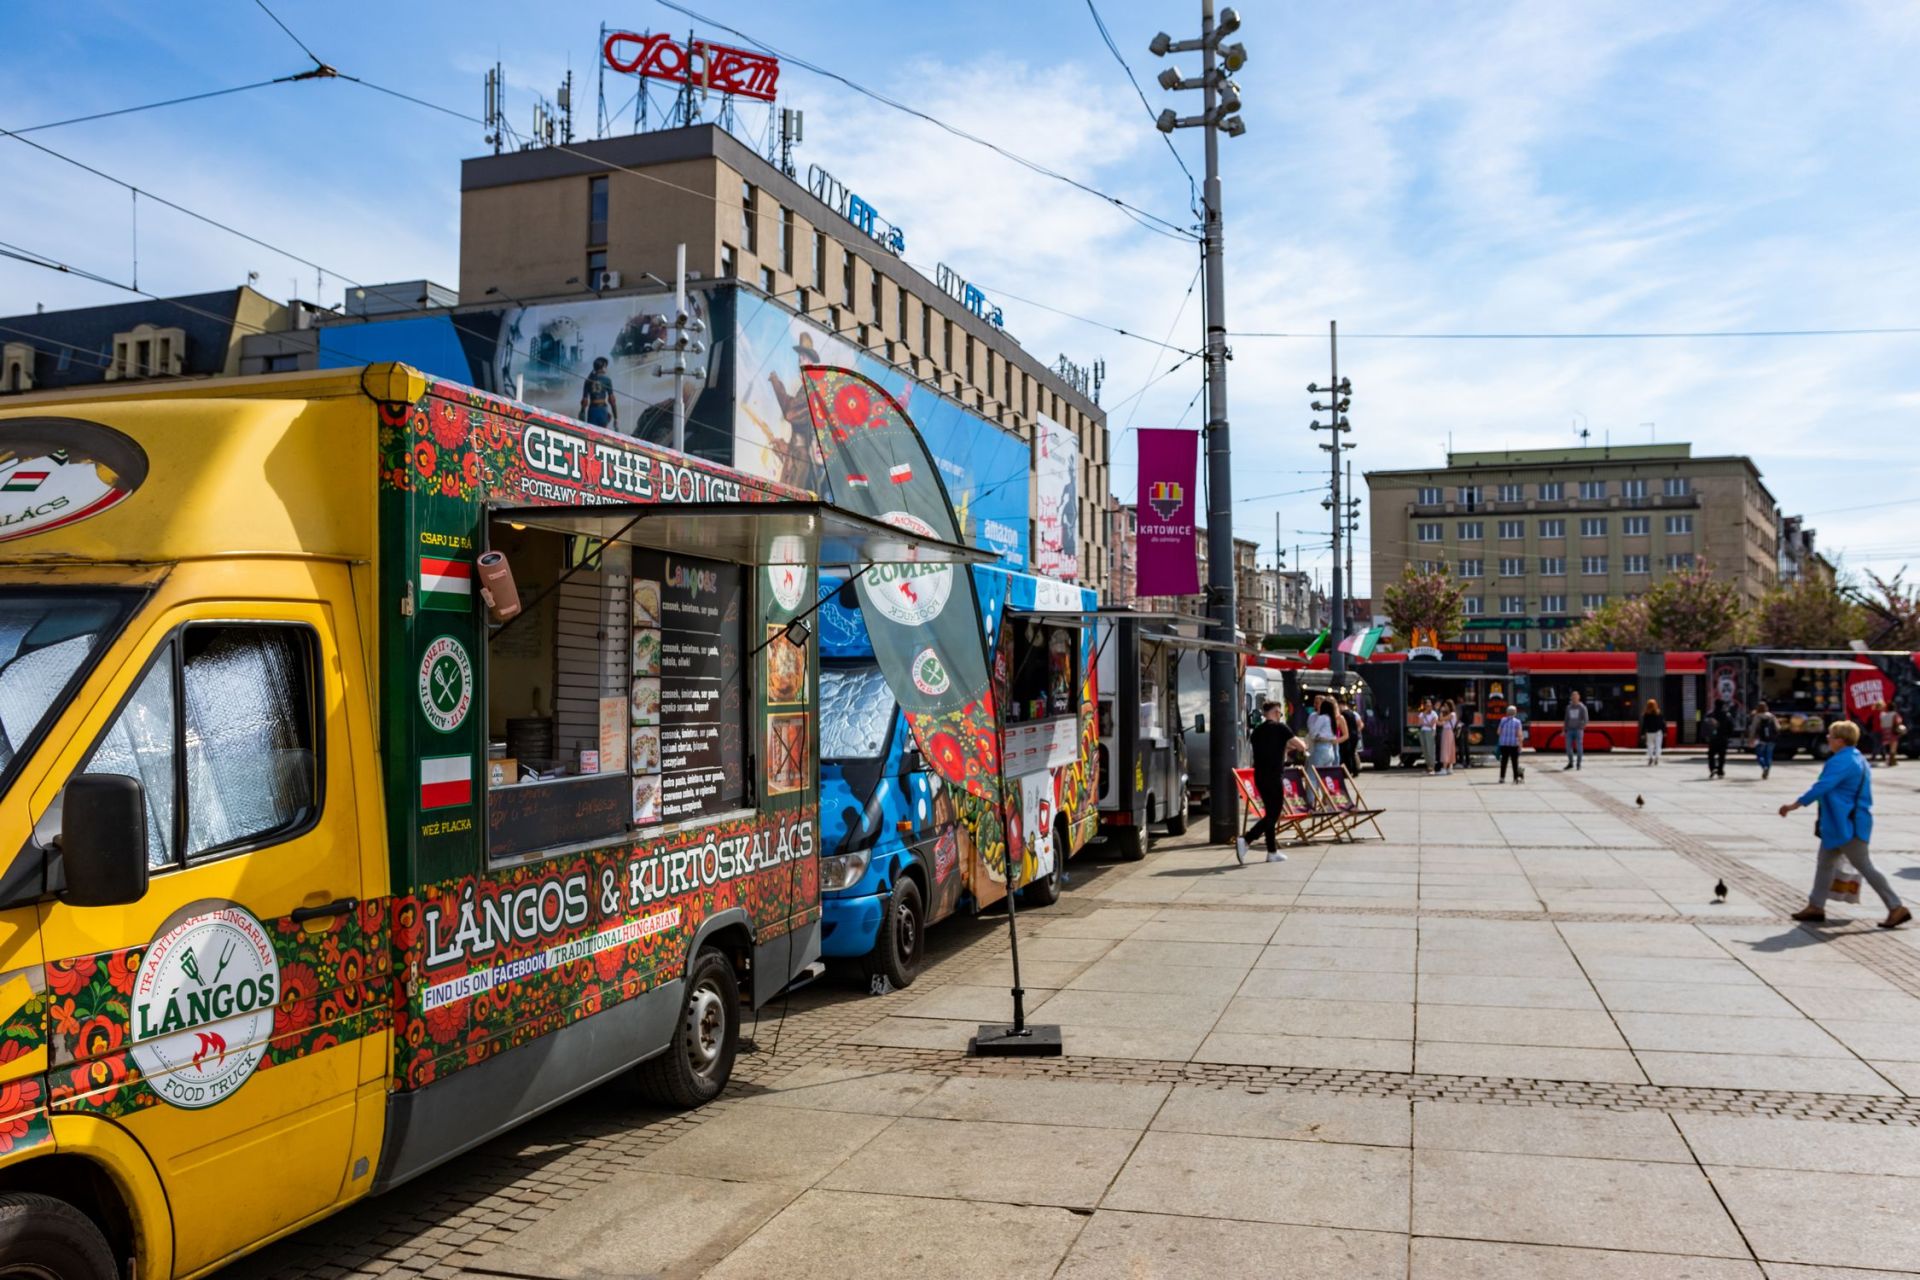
x: 1765, y: 774
x: 1895, y: 918
x: 1568, y: 765
x: 1240, y: 851
x: 1276, y: 856
x: 1809, y: 914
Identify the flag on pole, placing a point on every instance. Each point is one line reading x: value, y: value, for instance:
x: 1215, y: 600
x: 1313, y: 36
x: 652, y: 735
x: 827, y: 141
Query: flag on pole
x: 1360, y: 644
x: 1319, y: 643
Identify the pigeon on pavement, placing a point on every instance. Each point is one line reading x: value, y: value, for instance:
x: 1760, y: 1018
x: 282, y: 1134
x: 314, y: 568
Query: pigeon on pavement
x: 1719, y: 892
x: 1641, y: 801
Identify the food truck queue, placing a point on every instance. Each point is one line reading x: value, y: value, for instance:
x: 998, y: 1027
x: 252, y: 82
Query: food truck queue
x: 381, y: 763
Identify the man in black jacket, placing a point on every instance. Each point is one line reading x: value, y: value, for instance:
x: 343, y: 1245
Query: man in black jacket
x: 1269, y: 739
x: 1719, y: 734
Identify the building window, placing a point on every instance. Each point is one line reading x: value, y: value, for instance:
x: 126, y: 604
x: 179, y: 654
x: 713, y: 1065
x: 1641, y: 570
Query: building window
x: 1553, y: 604
x: 1513, y: 606
x: 833, y: 319
x: 1679, y: 524
x: 596, y: 268
x: 947, y: 352
x: 926, y: 331
x: 1593, y: 602
x: 1551, y: 640
x: 1472, y: 606
x: 1470, y: 495
x: 1513, y: 567
x: 967, y: 371
x: 877, y: 289
x: 846, y: 278
x: 1678, y: 486
x: 1593, y: 566
x: 282, y: 363
x: 1472, y: 530
x: 1428, y: 532
x: 1553, y: 566
x: 1593, y: 527
x: 1592, y: 489
x: 893, y: 352
x: 820, y: 260
x: 1511, y: 492
x: 766, y: 281
x: 900, y: 300
x: 1680, y: 560
x: 1633, y: 488
x: 786, y: 239
x: 802, y: 300
x: 866, y: 336
x: 1517, y: 642
x: 1513, y: 529
x: 750, y: 217
x: 1553, y: 528
x: 1429, y: 495
x: 729, y: 267
x: 1633, y: 564
x: 1553, y: 491
x: 1636, y: 526
x: 1432, y: 566
x: 597, y: 210
x: 1472, y: 568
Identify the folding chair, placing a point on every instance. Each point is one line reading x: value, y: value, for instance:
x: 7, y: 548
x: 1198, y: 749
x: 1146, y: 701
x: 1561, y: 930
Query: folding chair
x: 1343, y: 794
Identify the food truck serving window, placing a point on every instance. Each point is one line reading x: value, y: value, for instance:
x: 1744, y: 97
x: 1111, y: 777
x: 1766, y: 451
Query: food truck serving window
x: 1043, y: 669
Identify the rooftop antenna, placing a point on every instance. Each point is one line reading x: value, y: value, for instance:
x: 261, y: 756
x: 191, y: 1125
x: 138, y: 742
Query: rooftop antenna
x: 600, y: 122
x: 496, y: 108
x: 565, y: 99
x: 793, y: 131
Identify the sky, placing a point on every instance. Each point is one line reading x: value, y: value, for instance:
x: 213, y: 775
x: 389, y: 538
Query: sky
x: 1417, y: 171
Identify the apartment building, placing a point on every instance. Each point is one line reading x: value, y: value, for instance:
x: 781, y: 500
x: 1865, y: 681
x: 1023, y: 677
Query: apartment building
x: 1542, y: 537
x: 194, y: 335
x: 606, y: 217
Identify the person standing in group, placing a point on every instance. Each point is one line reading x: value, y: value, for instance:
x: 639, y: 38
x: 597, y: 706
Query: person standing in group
x: 1444, y: 738
x: 1576, y: 724
x: 1719, y: 734
x: 1844, y: 793
x: 1464, y: 720
x: 1350, y: 745
x: 1429, y: 735
x: 1326, y: 730
x: 1762, y: 731
x: 1892, y: 729
x: 1512, y: 734
x: 1653, y: 731
x: 1269, y: 740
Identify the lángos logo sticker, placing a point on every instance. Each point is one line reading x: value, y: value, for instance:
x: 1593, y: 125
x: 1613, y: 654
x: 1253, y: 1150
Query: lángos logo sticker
x: 202, y: 1006
x: 446, y: 684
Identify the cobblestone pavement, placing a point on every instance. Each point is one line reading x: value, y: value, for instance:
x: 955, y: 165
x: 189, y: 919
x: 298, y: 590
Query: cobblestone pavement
x: 1515, y: 1037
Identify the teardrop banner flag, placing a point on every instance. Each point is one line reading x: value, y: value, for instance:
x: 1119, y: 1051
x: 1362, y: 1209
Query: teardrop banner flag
x: 923, y: 618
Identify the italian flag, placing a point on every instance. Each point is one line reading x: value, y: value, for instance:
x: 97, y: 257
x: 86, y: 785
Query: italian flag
x: 24, y: 481
x: 445, y: 781
x: 446, y: 584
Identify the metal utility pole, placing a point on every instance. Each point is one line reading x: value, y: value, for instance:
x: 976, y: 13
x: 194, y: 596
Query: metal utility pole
x: 1339, y: 395
x: 1220, y: 104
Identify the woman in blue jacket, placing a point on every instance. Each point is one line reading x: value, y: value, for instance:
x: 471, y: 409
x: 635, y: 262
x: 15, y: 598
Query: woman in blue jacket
x: 1845, y: 795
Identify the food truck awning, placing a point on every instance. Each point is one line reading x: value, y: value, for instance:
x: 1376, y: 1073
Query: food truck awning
x: 1087, y: 617
x: 1194, y: 642
x: 1820, y: 664
x: 755, y: 533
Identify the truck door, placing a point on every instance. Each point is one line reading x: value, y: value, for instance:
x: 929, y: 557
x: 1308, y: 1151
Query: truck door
x: 215, y: 1018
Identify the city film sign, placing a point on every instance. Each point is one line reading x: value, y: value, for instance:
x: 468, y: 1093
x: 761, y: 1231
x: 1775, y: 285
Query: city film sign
x: 700, y: 63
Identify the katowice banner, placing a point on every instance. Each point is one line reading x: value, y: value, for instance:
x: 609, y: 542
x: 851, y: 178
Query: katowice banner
x: 1166, y: 562
x: 923, y: 618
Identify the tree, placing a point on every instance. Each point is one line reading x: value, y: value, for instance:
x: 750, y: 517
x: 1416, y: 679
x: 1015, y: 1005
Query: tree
x: 1425, y: 600
x: 1810, y: 612
x: 1687, y: 609
x: 1618, y: 624
x: 1893, y: 620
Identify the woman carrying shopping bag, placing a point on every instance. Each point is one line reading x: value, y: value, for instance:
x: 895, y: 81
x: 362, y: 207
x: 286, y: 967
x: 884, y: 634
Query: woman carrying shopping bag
x: 1845, y: 825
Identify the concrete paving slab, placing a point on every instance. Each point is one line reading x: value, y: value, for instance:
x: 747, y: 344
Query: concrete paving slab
x: 1342, y: 925
x: 1306, y: 1051
x: 767, y: 1144
x: 1454, y: 1259
x: 1756, y: 1071
x: 1501, y: 964
x: 1034, y: 974
x: 1113, y: 923
x: 834, y: 1088
x: 918, y: 1033
x: 1630, y: 968
x: 1302, y: 984
x: 1048, y: 948
x: 1157, y: 979
x: 1826, y: 1219
x: 1198, y: 1008
x: 1692, y: 997
x: 1476, y: 1024
x: 1892, y: 1041
x: 1337, y: 959
x: 1764, y: 1142
x: 1570, y: 1201
x: 1070, y: 1166
x: 1548, y: 1131
x: 1291, y: 1114
x: 1020, y: 1100
x: 1316, y: 1184
x: 1362, y: 1019
x: 1904, y: 1075
x: 1515, y: 993
x: 1852, y: 1004
x: 1167, y: 1044
x: 1145, y: 1246
x: 1225, y: 955
x: 1527, y: 1062
x: 1794, y: 1271
x: 828, y: 1235
x: 691, y: 1224
x: 1794, y: 1037
x: 1208, y: 926
x: 961, y: 1002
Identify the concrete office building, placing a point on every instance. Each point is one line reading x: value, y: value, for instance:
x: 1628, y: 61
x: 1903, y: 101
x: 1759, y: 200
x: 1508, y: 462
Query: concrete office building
x: 194, y: 335
x: 1541, y: 537
x: 603, y: 216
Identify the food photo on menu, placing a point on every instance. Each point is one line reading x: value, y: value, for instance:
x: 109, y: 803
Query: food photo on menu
x: 646, y: 652
x: 646, y: 700
x: 786, y: 668
x: 646, y: 603
x: 645, y: 754
x: 646, y: 800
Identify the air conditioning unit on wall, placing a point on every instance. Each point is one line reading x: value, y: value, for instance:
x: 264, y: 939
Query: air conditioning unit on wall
x: 609, y: 279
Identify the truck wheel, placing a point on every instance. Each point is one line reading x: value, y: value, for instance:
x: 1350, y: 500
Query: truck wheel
x: 1131, y: 842
x: 901, y: 950
x: 698, y: 1062
x: 49, y: 1239
x: 1045, y: 892
x: 1177, y: 821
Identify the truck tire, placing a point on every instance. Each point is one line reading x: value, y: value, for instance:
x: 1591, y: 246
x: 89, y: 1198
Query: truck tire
x: 901, y: 950
x: 1047, y: 890
x: 699, y: 1060
x: 44, y: 1237
x: 1177, y: 821
x: 1131, y: 843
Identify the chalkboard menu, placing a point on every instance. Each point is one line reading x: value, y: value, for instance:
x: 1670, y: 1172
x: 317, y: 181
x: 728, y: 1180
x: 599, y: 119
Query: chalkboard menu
x: 689, y: 704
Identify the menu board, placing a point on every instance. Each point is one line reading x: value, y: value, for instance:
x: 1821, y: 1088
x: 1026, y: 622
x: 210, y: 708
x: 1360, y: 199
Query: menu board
x: 689, y: 702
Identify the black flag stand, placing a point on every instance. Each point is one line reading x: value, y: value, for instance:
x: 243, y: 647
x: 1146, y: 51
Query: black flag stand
x: 996, y: 1039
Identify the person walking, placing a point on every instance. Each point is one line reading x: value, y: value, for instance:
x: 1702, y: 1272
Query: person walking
x: 1269, y: 740
x: 1429, y: 734
x: 1576, y: 725
x: 1762, y: 732
x: 1890, y: 733
x: 1844, y: 793
x: 1719, y: 734
x: 1444, y: 739
x: 1512, y: 734
x: 1653, y: 731
x: 1325, y: 732
x: 1350, y: 745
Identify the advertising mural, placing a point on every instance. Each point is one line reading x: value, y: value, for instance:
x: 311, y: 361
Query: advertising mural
x: 1056, y: 456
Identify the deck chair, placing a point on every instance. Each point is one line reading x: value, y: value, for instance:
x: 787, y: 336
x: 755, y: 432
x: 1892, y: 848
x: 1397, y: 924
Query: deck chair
x: 1342, y: 792
x: 1301, y: 817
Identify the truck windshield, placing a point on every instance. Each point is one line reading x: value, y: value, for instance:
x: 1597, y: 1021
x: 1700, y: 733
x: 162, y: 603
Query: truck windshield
x: 48, y: 641
x: 856, y: 710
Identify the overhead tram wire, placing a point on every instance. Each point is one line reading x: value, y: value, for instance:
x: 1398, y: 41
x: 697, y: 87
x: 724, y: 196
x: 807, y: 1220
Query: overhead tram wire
x: 1171, y: 229
x: 315, y: 73
x: 1570, y: 335
x: 290, y: 35
x: 1193, y: 188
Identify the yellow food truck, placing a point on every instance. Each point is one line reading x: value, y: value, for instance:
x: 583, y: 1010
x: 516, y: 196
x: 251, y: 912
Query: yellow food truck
x: 381, y: 763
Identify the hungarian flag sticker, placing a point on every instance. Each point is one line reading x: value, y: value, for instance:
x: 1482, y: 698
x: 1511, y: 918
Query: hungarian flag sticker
x: 445, y: 781
x: 446, y: 584
x: 24, y: 481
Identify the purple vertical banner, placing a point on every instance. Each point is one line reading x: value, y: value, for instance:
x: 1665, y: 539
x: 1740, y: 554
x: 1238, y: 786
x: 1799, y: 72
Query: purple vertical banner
x: 1168, y: 562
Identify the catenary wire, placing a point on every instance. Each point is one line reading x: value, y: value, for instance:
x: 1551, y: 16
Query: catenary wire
x: 169, y: 102
x: 1193, y: 194
x: 289, y: 30
x: 1639, y: 335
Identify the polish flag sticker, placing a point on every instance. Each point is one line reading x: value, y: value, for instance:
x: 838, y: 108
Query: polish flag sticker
x: 446, y: 781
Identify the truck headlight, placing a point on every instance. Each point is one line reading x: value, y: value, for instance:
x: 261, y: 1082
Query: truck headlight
x: 842, y: 870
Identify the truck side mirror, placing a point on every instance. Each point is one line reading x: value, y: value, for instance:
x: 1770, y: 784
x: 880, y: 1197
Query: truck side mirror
x: 911, y: 761
x: 103, y: 840
x: 1199, y: 722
